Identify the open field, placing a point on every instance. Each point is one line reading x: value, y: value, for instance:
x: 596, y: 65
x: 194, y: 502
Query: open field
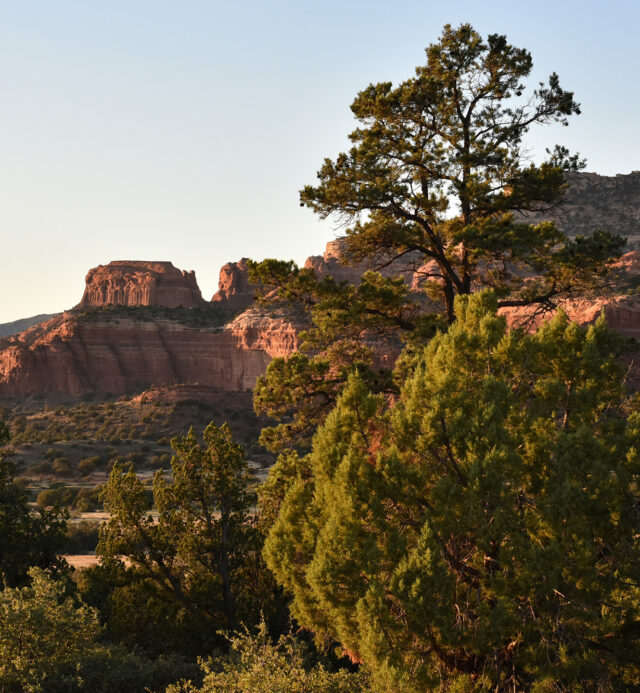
x: 81, y: 561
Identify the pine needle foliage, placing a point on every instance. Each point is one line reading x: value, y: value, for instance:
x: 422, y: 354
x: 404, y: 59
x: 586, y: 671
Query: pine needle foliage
x: 480, y: 531
x: 436, y: 186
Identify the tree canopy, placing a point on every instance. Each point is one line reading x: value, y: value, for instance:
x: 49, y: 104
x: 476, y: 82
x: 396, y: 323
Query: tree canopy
x: 481, y: 529
x: 438, y: 169
x: 437, y: 184
x: 43, y: 635
x: 200, y: 551
x: 26, y: 538
x: 256, y: 665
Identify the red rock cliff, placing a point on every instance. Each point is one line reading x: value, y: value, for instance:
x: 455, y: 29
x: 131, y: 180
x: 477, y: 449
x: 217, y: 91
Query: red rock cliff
x: 125, y: 351
x: 333, y: 263
x: 132, y: 283
x: 74, y: 355
x: 234, y: 290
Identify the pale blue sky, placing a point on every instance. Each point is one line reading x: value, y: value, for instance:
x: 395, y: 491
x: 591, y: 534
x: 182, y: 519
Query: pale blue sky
x: 183, y: 131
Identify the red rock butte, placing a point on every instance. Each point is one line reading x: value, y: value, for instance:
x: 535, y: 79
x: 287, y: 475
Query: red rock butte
x: 229, y: 346
x: 120, y: 352
x: 234, y: 290
x: 133, y: 283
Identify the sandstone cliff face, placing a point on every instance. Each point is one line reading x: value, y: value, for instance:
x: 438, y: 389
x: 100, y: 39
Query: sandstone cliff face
x: 74, y: 356
x: 132, y: 283
x: 592, y: 202
x: 123, y: 351
x: 621, y: 310
x: 333, y: 263
x: 269, y: 331
x: 234, y: 290
x: 120, y: 352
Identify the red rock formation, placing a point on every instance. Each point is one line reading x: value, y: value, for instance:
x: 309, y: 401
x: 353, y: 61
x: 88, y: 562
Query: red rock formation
x: 333, y: 264
x: 133, y: 283
x: 330, y: 264
x: 621, y: 312
x: 73, y: 355
x: 237, y: 293
x: 592, y: 202
x: 234, y: 290
x: 182, y: 392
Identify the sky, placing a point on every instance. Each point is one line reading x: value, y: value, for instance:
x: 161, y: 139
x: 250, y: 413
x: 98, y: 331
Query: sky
x: 183, y: 130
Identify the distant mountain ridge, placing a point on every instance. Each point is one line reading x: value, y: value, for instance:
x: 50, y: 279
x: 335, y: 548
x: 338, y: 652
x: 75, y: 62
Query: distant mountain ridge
x: 594, y: 202
x: 9, y: 328
x: 144, y: 324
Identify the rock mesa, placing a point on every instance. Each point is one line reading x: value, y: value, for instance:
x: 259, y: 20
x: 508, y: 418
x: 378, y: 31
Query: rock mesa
x: 131, y: 283
x: 75, y: 355
x: 118, y: 351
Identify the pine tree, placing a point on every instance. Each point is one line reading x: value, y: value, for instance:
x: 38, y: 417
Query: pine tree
x: 479, y: 531
x: 438, y: 169
x: 436, y: 182
x: 201, y: 551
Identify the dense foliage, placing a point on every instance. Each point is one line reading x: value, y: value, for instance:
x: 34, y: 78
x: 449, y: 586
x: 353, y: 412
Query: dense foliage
x: 26, y: 538
x: 50, y: 643
x: 256, y: 665
x: 482, y: 529
x: 43, y: 634
x: 197, y: 559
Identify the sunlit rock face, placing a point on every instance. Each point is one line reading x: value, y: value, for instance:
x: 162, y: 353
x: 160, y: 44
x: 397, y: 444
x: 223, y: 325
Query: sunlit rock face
x: 234, y: 290
x: 593, y: 202
x: 72, y: 355
x: 335, y: 263
x: 120, y: 351
x: 622, y: 314
x: 621, y: 307
x: 132, y: 283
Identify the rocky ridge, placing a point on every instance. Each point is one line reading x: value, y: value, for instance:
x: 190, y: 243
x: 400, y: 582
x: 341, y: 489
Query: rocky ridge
x: 74, y: 356
x: 234, y: 290
x: 165, y: 334
x: 593, y: 202
x: 114, y: 351
x: 142, y: 324
x: 9, y: 328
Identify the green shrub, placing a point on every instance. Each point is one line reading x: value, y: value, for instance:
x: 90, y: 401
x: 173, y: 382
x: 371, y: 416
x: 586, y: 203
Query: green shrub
x: 61, y: 465
x: 62, y: 496
x: 48, y: 644
x: 44, y: 634
x: 255, y: 665
x: 88, y: 499
x: 88, y: 464
x: 81, y: 537
x: 137, y: 457
x: 43, y: 467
